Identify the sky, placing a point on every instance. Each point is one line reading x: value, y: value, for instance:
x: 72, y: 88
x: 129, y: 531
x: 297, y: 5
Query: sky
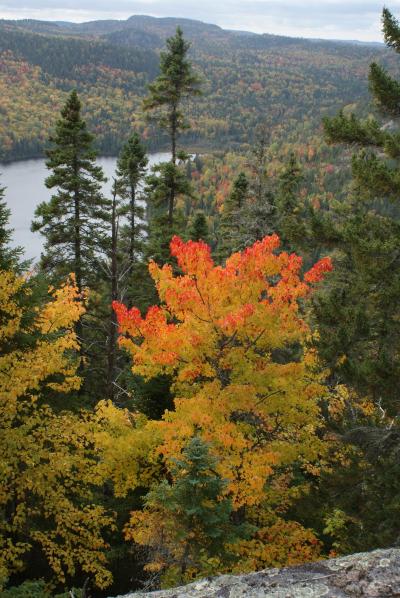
x: 329, y: 19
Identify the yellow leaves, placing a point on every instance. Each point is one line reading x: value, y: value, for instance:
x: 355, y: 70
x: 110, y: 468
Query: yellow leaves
x: 242, y: 435
x: 47, y: 471
x: 338, y: 400
x: 336, y: 523
x: 25, y: 371
x: 284, y: 543
x: 47, y: 461
x: 342, y: 398
x: 127, y: 445
x: 65, y: 308
x: 10, y: 286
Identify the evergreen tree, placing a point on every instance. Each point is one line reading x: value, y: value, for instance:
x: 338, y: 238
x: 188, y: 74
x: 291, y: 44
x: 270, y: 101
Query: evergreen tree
x: 198, y: 230
x: 9, y: 257
x: 131, y: 169
x: 358, y: 314
x: 159, y: 184
x: 73, y: 221
x: 258, y: 218
x: 230, y: 224
x: 176, y: 82
x: 290, y: 210
x: 198, y: 522
x: 115, y: 278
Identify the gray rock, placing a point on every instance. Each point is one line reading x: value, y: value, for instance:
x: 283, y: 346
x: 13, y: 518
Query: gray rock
x: 369, y: 574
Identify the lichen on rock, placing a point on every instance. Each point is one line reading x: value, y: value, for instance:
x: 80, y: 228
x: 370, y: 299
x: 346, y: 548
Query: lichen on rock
x: 369, y: 575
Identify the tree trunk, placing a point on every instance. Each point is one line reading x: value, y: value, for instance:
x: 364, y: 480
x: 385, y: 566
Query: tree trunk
x: 112, y: 338
x: 132, y: 222
x: 77, y: 249
x: 173, y: 160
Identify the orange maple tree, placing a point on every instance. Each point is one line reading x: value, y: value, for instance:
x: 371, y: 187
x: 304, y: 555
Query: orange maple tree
x: 234, y: 342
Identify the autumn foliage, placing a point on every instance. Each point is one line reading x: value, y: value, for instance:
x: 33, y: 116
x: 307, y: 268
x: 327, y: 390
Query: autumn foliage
x: 233, y: 340
x: 47, y: 465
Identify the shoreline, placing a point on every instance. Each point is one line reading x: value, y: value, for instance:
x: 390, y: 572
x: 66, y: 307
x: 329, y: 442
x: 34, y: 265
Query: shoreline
x: 195, y: 150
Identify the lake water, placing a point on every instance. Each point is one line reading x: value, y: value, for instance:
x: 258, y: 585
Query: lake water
x: 25, y: 189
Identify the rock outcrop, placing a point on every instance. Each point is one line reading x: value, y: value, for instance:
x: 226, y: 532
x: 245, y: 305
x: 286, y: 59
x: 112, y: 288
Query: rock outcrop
x: 371, y: 574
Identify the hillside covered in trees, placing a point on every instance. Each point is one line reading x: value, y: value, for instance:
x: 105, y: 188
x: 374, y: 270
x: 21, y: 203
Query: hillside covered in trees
x: 247, y: 77
x: 200, y: 375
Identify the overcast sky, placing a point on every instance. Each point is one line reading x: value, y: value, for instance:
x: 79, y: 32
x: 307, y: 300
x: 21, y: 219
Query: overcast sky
x: 338, y: 19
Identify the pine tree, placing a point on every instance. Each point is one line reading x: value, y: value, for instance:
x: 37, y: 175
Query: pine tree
x: 114, y: 275
x: 73, y: 221
x: 9, y: 257
x: 176, y: 82
x: 258, y: 218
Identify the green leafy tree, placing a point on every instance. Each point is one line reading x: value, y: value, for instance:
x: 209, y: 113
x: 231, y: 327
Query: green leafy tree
x: 73, y: 221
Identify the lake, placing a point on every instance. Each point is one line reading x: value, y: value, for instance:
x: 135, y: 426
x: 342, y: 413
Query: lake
x: 25, y: 189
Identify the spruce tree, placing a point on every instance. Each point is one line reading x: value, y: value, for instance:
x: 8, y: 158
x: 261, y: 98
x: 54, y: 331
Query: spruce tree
x: 258, y: 218
x: 196, y: 512
x: 289, y: 209
x: 358, y: 313
x: 198, y: 230
x: 230, y: 223
x: 131, y: 169
x: 159, y: 184
x: 73, y: 221
x: 115, y: 275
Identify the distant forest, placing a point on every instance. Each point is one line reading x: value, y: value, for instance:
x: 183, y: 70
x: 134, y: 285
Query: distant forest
x: 289, y: 83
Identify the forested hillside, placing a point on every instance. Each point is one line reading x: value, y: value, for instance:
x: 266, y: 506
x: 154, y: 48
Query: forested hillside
x: 291, y: 83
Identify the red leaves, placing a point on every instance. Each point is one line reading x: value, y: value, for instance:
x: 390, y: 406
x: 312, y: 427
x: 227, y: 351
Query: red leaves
x: 253, y: 298
x: 127, y: 318
x: 237, y: 319
x: 192, y: 255
x: 316, y: 273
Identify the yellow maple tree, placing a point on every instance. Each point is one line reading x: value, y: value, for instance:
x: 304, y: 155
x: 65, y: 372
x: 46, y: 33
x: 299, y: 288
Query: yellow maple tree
x: 47, y: 463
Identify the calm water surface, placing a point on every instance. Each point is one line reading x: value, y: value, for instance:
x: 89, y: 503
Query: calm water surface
x: 25, y: 189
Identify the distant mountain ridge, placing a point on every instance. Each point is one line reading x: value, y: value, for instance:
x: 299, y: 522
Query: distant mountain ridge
x: 159, y: 25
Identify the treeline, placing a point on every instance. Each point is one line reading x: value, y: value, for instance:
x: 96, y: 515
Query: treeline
x: 210, y: 383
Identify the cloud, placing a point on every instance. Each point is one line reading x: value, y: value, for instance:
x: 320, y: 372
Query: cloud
x: 355, y: 19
